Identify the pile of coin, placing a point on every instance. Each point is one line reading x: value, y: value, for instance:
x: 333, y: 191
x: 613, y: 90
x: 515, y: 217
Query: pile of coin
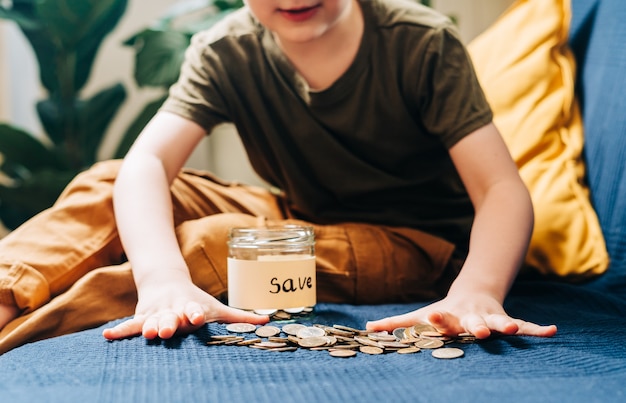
x: 343, y: 341
x: 284, y: 314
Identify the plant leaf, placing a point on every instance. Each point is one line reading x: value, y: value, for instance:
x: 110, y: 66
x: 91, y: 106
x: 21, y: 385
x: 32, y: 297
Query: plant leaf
x: 20, y: 148
x: 137, y: 126
x: 21, y: 19
x: 69, y: 21
x: 53, y: 119
x: 95, y: 117
x: 29, y: 197
x: 159, y: 56
x: 67, y: 39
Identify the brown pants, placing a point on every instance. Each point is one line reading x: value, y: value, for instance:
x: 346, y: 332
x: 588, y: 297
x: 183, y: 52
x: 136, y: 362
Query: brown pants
x: 66, y: 270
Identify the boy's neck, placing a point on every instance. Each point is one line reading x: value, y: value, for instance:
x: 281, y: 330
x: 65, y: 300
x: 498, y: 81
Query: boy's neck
x: 323, y: 60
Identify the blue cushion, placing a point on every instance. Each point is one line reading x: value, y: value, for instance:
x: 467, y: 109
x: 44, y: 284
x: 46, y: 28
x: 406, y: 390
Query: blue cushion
x: 598, y: 38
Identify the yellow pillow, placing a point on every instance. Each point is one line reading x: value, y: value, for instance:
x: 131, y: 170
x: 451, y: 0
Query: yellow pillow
x: 527, y: 72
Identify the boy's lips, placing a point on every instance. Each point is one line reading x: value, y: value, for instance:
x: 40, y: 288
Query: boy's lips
x: 300, y: 13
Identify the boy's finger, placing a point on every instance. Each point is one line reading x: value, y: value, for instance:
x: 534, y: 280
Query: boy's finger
x: 502, y: 324
x: 129, y: 328
x: 445, y: 322
x: 150, y: 328
x: 476, y: 325
x: 195, y: 314
x: 393, y: 322
x: 532, y: 329
x: 231, y: 315
x: 168, y: 324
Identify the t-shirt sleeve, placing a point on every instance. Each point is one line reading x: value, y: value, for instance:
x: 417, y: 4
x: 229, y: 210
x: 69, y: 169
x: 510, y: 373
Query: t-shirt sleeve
x: 196, y: 95
x: 451, y: 103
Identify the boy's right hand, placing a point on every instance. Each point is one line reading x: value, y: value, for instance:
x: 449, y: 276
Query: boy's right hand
x: 177, y: 308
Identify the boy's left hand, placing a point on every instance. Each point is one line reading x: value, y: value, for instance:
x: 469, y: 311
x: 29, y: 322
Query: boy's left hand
x: 479, y: 315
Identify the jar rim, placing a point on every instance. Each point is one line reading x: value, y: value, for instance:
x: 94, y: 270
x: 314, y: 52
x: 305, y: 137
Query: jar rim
x: 275, y: 235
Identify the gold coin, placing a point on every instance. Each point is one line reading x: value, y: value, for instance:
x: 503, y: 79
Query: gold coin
x: 422, y: 327
x: 216, y: 342
x: 448, y: 353
x: 281, y: 315
x: 393, y: 345
x: 367, y: 341
x: 310, y: 342
x: 346, y: 346
x: 330, y: 340
x: 224, y: 337
x: 267, y: 331
x: 371, y: 350
x: 429, y: 343
x: 346, y: 328
x: 430, y: 333
x: 283, y: 349
x: 339, y: 332
x: 249, y: 342
x: 342, y: 353
x: 382, y: 336
x: 278, y: 339
x: 269, y: 344
x: 240, y: 327
x: 408, y: 350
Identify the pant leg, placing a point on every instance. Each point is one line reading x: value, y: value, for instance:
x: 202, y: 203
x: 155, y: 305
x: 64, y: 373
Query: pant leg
x: 355, y: 263
x: 372, y: 264
x: 49, y: 253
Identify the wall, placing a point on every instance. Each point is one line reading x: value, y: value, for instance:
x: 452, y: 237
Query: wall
x: 473, y: 15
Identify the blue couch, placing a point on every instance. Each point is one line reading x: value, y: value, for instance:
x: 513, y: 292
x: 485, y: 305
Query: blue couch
x: 585, y: 361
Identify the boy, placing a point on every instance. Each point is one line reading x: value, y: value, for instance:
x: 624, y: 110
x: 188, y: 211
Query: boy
x: 368, y: 117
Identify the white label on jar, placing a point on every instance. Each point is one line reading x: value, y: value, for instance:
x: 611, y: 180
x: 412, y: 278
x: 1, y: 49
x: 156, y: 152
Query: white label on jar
x: 272, y: 282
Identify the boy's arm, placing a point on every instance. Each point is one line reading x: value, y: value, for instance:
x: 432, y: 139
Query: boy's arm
x: 168, y: 301
x: 498, y: 243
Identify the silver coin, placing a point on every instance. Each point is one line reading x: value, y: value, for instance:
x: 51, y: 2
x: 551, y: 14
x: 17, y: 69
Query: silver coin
x: 399, y: 333
x: 292, y: 328
x: 311, y: 331
x: 267, y: 331
x: 294, y: 310
x: 240, y: 327
x: 448, y: 353
x: 268, y: 312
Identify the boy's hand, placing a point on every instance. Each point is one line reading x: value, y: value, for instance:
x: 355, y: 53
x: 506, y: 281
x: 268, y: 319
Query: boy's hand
x: 171, y: 308
x: 479, y: 315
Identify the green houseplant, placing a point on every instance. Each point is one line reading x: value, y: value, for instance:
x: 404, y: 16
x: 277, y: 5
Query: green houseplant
x: 65, y: 36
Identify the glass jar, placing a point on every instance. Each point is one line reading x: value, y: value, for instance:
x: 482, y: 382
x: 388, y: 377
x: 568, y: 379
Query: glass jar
x: 271, y: 267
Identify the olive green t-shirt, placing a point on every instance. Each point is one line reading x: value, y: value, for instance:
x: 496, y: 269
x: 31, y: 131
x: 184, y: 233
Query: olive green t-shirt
x: 373, y: 147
